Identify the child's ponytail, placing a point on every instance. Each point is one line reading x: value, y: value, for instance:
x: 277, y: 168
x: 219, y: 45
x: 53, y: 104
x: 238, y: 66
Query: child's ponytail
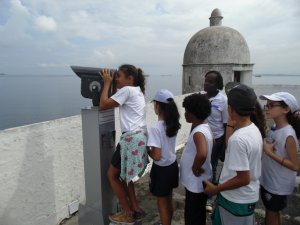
x: 140, y: 80
x: 258, y: 118
x: 294, y: 121
x: 136, y: 73
x: 171, y: 117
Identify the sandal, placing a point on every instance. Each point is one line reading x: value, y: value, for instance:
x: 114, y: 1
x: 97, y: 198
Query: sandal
x: 139, y: 215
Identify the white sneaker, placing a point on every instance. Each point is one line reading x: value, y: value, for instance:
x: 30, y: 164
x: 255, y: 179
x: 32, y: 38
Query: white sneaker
x: 208, y: 206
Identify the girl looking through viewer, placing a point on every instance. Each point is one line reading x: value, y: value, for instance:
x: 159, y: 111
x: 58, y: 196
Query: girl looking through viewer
x: 130, y: 157
x: 161, y: 143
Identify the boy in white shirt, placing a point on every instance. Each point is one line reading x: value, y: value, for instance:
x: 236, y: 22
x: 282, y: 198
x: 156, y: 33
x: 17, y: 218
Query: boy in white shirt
x: 239, y: 182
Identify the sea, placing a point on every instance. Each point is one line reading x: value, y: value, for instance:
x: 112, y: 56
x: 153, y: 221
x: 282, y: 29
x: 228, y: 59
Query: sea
x: 27, y: 99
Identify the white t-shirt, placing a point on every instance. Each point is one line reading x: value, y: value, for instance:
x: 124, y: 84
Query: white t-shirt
x: 275, y: 178
x: 157, y: 137
x: 187, y: 177
x: 243, y: 153
x: 219, y: 114
x: 132, y: 108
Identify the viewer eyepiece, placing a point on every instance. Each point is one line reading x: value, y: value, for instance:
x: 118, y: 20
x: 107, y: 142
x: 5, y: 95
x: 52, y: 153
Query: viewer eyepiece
x: 92, y: 82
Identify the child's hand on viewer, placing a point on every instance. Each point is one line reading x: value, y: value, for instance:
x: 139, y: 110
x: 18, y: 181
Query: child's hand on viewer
x: 105, y: 74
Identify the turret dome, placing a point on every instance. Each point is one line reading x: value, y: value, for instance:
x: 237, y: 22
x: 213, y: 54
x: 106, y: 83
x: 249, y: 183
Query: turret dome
x: 217, y: 44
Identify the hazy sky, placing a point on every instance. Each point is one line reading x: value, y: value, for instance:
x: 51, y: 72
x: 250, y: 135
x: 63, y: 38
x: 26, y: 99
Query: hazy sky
x: 46, y: 36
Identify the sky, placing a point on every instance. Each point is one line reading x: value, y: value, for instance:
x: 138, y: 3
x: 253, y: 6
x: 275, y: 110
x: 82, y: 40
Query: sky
x: 43, y: 37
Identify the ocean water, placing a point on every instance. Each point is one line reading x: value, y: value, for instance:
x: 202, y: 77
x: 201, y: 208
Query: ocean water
x: 268, y: 84
x: 276, y: 79
x: 27, y: 99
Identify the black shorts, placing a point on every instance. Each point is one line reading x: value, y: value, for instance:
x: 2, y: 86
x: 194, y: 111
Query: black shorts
x: 163, y: 179
x: 194, y: 209
x: 116, y: 158
x: 271, y: 201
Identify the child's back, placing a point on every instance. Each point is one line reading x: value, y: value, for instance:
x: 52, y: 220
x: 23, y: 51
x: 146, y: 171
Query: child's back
x: 161, y: 144
x: 132, y: 108
x: 157, y: 136
x: 195, y: 164
x: 187, y: 178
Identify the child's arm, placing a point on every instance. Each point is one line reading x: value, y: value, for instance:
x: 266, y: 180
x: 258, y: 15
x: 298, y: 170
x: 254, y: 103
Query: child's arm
x: 105, y: 101
x: 242, y: 178
x: 291, y: 147
x: 154, y: 153
x: 200, y: 142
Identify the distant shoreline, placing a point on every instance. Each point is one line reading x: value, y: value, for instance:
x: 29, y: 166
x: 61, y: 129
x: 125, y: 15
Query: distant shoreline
x: 275, y: 75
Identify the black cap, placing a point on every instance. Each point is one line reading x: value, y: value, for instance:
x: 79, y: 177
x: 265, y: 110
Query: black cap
x: 242, y: 98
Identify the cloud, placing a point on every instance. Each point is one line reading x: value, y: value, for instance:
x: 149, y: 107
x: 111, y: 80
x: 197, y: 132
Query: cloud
x: 18, y: 7
x: 44, y: 23
x: 152, y: 34
x: 107, y: 54
x: 52, y: 65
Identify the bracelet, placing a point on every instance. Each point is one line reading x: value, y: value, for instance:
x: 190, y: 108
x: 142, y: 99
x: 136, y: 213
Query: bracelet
x: 281, y: 163
x: 230, y: 126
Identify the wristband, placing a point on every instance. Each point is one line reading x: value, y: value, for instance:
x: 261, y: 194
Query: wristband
x: 230, y: 126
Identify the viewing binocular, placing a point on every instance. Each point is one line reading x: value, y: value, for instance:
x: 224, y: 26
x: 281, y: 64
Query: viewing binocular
x: 92, y: 82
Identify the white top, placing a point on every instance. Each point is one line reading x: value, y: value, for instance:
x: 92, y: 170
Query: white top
x: 219, y: 114
x: 132, y: 108
x: 275, y: 178
x: 187, y: 177
x: 243, y: 153
x: 157, y: 138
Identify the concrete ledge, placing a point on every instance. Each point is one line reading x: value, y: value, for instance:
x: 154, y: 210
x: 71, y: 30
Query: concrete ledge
x: 42, y: 168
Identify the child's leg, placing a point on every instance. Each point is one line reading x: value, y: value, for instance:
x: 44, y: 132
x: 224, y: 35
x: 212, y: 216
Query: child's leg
x: 215, y: 155
x: 273, y: 204
x: 272, y: 218
x: 132, y: 197
x: 165, y: 208
x: 194, y: 210
x: 118, y: 188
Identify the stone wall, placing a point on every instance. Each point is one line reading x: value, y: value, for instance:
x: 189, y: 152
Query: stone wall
x: 41, y: 172
x: 42, y: 168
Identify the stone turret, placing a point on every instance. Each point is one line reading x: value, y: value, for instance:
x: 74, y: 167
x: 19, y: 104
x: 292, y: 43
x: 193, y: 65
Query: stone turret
x: 218, y: 48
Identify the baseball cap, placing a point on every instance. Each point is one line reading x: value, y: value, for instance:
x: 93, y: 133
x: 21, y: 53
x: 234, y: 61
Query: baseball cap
x: 286, y: 97
x: 163, y: 95
x: 242, y: 98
